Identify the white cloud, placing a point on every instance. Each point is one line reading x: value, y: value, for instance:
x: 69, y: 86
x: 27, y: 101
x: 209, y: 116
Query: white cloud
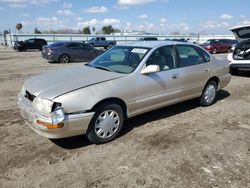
x: 121, y: 7
x: 79, y: 18
x: 143, y: 16
x: 65, y: 13
x: 226, y: 16
x: 25, y: 3
x: 92, y: 22
x: 67, y: 5
x: 45, y: 23
x: 242, y: 16
x: 14, y: 1
x: 182, y: 27
x: 100, y: 23
x: 215, y: 24
x: 111, y: 21
x: 134, y: 2
x: 244, y: 22
x: 16, y: 5
x: 163, y: 20
x: 101, y: 9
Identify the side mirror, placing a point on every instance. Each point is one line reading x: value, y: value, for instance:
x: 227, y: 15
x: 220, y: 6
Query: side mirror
x: 150, y: 69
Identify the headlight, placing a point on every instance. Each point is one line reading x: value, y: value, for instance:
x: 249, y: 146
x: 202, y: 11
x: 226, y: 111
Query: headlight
x: 42, y: 105
x: 209, y: 46
x: 23, y: 91
x: 57, y: 116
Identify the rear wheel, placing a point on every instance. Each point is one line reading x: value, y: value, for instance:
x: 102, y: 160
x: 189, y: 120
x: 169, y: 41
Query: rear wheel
x: 209, y: 93
x: 214, y: 51
x: 64, y: 59
x: 106, y: 124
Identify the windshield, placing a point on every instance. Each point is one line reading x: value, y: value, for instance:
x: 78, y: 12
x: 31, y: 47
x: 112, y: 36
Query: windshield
x: 122, y: 59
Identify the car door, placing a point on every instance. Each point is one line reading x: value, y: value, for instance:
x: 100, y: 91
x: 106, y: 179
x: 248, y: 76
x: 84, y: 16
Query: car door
x: 73, y: 51
x: 158, y: 89
x: 194, y: 70
x: 30, y: 44
x: 86, y: 52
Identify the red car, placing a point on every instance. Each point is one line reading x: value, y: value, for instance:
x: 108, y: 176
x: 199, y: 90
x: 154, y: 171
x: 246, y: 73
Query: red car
x: 218, y: 45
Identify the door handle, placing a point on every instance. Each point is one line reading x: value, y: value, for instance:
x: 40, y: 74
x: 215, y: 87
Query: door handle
x: 175, y: 76
x: 206, y: 70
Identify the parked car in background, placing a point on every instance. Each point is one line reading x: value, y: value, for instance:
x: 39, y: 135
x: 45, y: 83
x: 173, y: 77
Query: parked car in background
x: 101, y: 42
x: 218, y: 45
x: 239, y: 56
x: 127, y: 80
x: 177, y: 39
x: 65, y: 52
x: 34, y: 43
x: 147, y: 38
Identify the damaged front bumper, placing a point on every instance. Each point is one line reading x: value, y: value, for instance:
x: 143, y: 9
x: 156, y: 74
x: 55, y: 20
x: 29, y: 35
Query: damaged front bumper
x: 73, y: 124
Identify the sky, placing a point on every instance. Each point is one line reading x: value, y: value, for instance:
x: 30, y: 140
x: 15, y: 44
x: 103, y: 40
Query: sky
x: 155, y: 16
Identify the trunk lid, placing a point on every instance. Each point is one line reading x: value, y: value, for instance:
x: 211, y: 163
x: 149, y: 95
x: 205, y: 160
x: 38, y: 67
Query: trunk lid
x: 241, y: 32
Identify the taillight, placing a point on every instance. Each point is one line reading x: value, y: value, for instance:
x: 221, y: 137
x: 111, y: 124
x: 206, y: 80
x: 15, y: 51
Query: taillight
x: 49, y: 50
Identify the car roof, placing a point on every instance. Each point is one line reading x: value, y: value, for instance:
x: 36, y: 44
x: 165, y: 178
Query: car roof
x: 69, y: 42
x: 152, y: 44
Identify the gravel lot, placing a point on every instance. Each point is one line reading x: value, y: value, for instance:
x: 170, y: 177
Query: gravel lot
x: 184, y: 145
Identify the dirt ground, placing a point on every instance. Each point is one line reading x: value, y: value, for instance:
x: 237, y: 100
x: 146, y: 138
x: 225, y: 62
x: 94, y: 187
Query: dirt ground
x: 184, y: 145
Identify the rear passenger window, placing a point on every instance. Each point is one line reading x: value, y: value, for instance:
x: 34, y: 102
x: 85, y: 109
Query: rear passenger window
x: 188, y: 56
x: 73, y: 46
x: 204, y: 54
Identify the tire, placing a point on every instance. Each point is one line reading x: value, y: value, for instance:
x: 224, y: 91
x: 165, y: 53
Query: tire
x: 106, y: 123
x: 214, y: 51
x: 209, y: 93
x: 110, y: 46
x: 64, y: 59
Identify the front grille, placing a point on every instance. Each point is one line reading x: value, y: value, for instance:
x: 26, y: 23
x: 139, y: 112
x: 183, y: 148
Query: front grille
x: 29, y: 96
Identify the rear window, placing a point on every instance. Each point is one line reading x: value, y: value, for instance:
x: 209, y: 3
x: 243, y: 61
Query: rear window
x: 57, y: 44
x: 244, y: 33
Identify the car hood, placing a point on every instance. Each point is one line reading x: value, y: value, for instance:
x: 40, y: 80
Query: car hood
x: 241, y: 32
x: 55, y: 83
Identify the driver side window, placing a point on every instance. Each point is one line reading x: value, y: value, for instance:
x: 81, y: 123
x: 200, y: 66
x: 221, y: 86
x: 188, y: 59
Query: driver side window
x: 164, y: 57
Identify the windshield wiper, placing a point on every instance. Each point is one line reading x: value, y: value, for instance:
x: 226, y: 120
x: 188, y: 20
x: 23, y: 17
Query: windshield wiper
x: 100, y: 67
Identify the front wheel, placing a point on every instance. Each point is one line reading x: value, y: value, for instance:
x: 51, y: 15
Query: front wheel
x: 209, y: 93
x: 64, y: 58
x: 110, y: 46
x: 106, y: 124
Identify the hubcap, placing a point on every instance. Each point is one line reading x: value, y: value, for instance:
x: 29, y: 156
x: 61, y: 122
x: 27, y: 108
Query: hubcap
x: 210, y: 93
x: 107, y: 124
x: 64, y: 59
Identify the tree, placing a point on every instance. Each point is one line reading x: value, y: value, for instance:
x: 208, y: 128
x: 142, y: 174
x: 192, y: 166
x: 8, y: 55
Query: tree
x: 86, y: 30
x: 175, y: 33
x: 19, y: 26
x: 37, y: 31
x: 107, y: 29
